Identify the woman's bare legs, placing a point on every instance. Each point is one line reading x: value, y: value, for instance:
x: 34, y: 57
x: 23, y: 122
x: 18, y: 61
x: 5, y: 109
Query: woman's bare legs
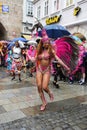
x: 19, y: 73
x: 13, y: 75
x: 45, y: 83
x: 39, y: 80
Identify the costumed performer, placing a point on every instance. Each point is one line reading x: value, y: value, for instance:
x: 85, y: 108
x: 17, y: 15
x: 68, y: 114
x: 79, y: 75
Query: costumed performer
x: 44, y: 55
x: 17, y: 61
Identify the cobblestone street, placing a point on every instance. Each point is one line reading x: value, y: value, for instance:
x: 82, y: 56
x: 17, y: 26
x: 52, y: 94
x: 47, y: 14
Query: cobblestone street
x: 20, y: 104
x: 64, y: 116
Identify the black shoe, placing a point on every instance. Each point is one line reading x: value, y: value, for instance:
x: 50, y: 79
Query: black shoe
x: 54, y: 83
x: 57, y: 85
x: 81, y: 83
x: 13, y: 78
x: 64, y: 80
x: 71, y: 81
x: 20, y: 79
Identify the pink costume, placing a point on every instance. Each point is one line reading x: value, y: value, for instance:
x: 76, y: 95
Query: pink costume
x: 44, y: 69
x: 31, y: 52
x: 67, y: 51
x: 15, y: 65
x: 81, y: 51
x: 80, y: 60
x: 44, y: 56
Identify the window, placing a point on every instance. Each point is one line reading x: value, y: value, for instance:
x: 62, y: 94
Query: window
x: 56, y: 5
x: 46, y: 8
x: 29, y: 7
x: 38, y: 12
x: 69, y: 2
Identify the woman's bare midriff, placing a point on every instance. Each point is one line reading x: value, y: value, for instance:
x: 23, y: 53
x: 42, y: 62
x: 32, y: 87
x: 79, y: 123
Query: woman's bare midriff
x: 44, y: 62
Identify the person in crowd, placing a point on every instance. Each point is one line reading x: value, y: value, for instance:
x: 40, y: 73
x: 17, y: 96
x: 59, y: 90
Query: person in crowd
x: 81, y: 66
x: 57, y: 73
x: 24, y: 50
x: 9, y: 61
x: 84, y: 65
x: 30, y: 53
x: 44, y: 55
x: 3, y: 53
x: 16, y: 61
x: 79, y: 71
x: 85, y: 61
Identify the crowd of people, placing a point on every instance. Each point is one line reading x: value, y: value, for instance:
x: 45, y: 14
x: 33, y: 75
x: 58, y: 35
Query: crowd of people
x: 17, y: 58
x: 41, y: 58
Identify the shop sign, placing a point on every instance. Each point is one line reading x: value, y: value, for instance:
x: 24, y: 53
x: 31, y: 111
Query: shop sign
x: 52, y: 20
x: 76, y: 11
x: 5, y: 8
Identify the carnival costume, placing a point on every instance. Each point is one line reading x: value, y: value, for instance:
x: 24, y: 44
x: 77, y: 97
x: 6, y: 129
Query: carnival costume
x: 66, y: 53
x: 29, y: 64
x: 9, y: 60
x: 66, y: 49
x: 16, y: 63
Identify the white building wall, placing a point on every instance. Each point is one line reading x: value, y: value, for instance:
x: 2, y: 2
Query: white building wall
x: 70, y: 18
x: 73, y: 23
x: 27, y: 20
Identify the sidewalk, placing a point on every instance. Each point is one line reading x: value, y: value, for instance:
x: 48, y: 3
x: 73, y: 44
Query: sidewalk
x: 20, y: 102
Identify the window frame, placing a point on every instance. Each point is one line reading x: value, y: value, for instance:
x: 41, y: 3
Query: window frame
x: 46, y: 7
x: 69, y: 3
x: 38, y: 12
x: 29, y: 8
x: 56, y: 5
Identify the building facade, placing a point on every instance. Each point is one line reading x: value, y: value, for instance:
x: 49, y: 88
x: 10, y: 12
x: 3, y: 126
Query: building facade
x: 10, y: 19
x: 27, y: 22
x: 70, y: 13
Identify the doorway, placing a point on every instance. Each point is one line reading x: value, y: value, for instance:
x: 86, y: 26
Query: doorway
x: 3, y: 33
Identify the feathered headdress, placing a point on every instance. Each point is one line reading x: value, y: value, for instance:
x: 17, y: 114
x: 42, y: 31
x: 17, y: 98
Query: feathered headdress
x: 45, y: 37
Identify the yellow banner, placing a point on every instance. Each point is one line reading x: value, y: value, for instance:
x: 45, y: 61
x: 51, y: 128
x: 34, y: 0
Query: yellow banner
x: 0, y: 3
x: 52, y: 20
x: 0, y: 7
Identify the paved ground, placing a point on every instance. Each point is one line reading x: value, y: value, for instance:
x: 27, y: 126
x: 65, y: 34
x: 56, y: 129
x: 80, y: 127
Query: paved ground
x: 20, y: 103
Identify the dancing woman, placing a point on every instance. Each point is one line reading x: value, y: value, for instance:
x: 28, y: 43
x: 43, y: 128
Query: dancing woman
x: 44, y: 56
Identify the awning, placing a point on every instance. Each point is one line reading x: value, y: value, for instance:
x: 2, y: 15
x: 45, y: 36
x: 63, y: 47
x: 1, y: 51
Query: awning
x: 27, y: 37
